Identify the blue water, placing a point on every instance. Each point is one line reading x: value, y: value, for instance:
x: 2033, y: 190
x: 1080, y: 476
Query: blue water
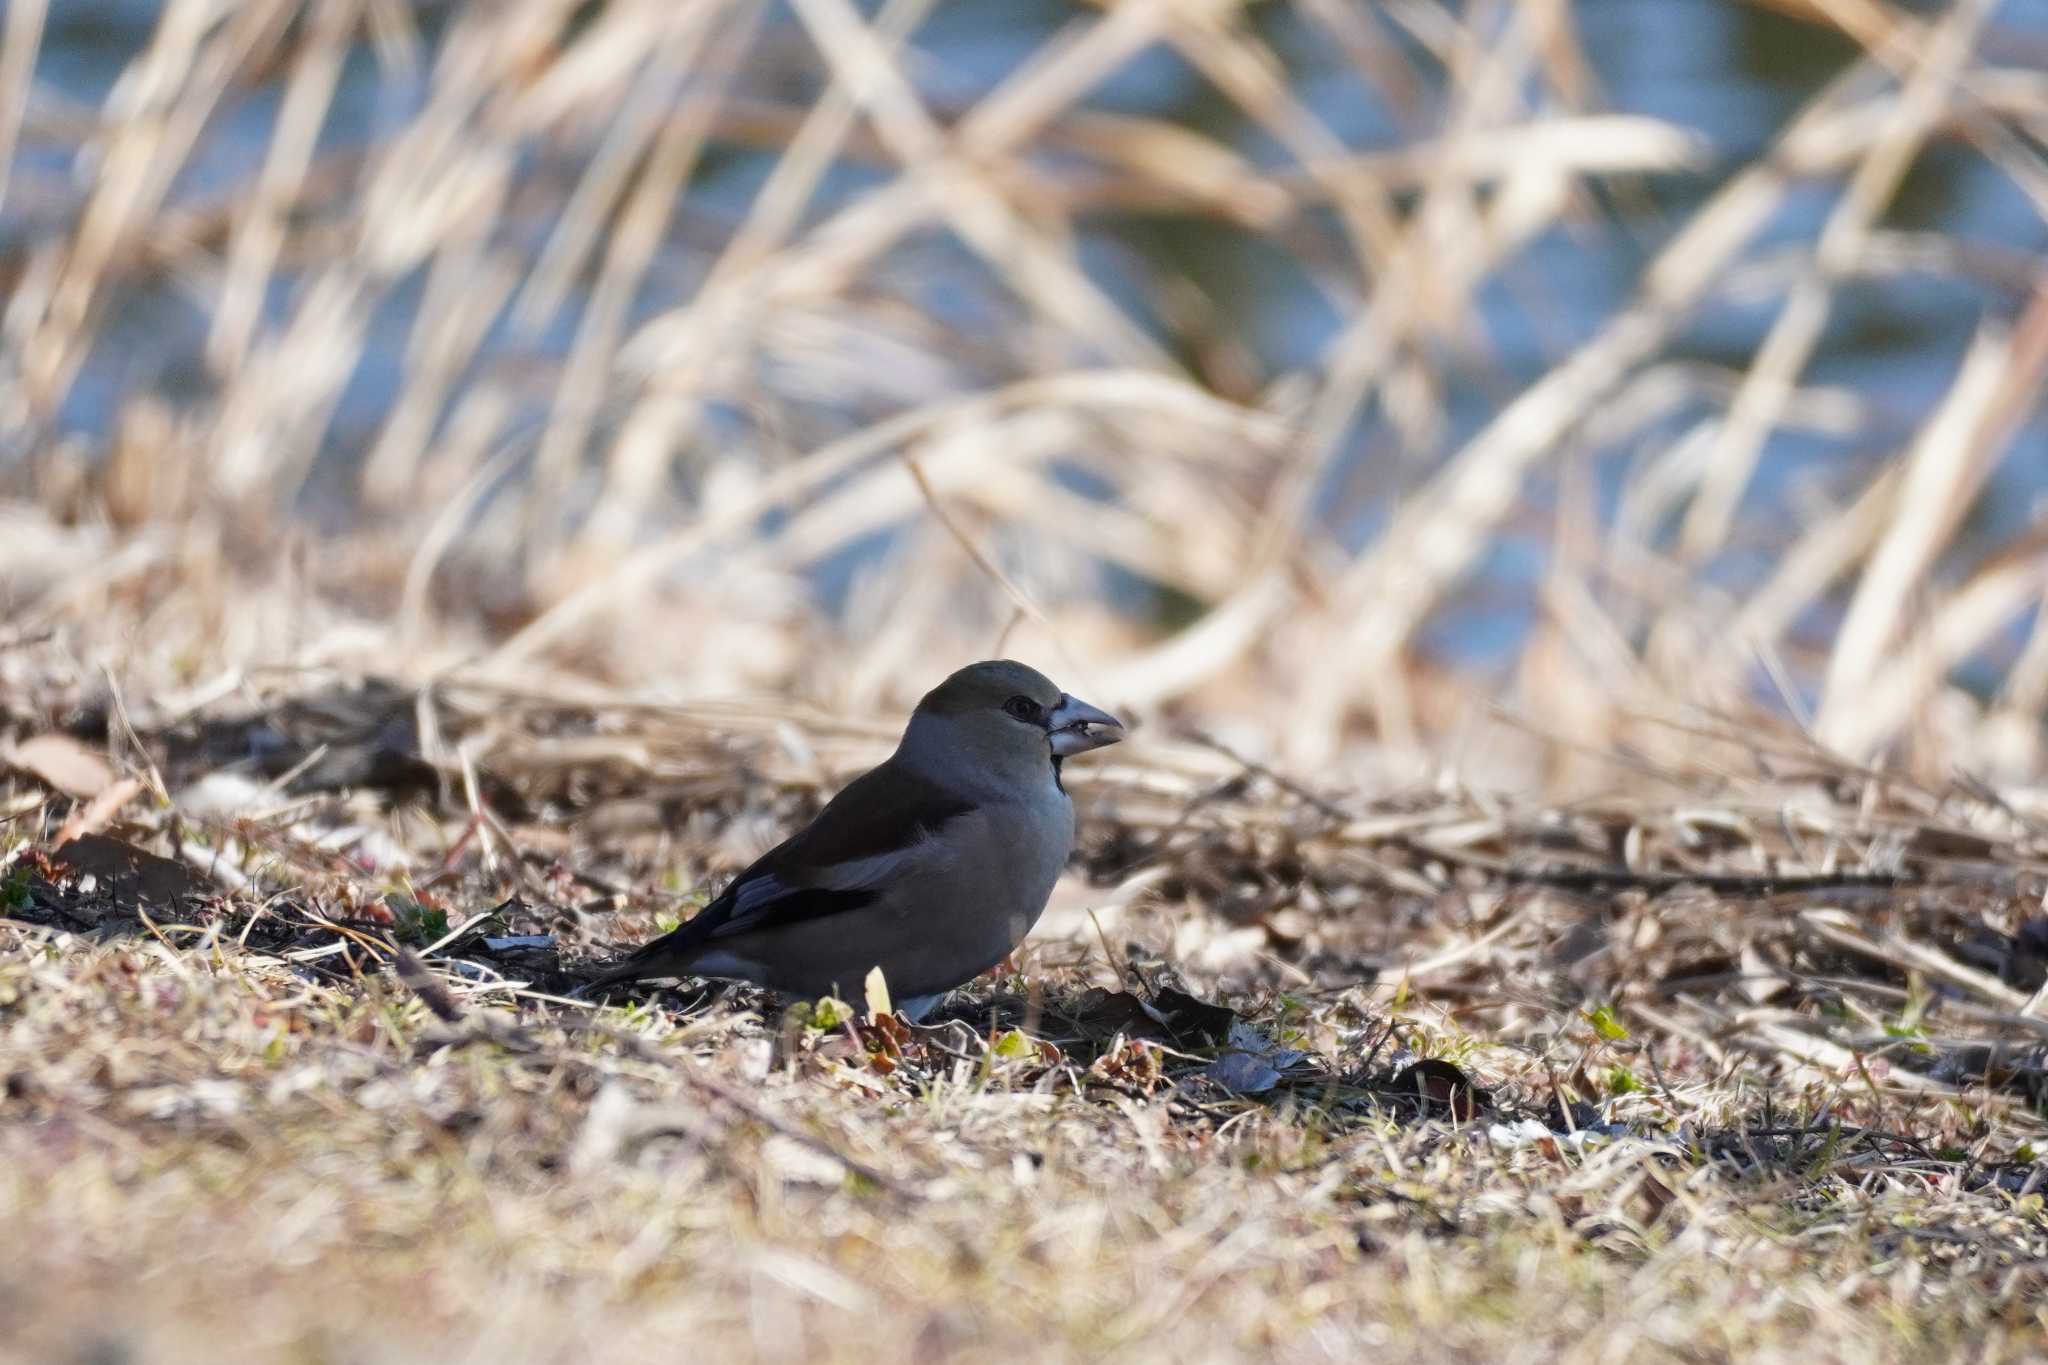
x: 1731, y: 72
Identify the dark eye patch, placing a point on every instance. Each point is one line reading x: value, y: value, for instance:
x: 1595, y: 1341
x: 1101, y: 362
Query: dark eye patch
x: 1023, y: 708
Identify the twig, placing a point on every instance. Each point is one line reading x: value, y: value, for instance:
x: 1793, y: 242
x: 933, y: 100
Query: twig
x: 1721, y: 883
x: 1326, y: 808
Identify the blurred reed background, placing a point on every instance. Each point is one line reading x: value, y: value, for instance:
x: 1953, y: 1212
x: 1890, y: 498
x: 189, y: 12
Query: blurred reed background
x: 1342, y: 377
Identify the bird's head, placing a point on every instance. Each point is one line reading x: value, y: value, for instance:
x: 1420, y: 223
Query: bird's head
x: 1007, y: 719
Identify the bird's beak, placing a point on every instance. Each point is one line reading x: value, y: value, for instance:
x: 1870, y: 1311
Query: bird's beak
x: 1075, y: 727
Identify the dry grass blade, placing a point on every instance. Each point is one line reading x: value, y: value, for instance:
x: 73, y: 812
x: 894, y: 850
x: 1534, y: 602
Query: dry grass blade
x: 1927, y: 94
x: 19, y: 41
x: 252, y: 257
x: 1949, y: 465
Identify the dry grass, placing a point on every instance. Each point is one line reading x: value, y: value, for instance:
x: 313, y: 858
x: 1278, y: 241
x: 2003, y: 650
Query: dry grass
x: 1761, y: 1067
x: 631, y: 391
x: 1729, y: 888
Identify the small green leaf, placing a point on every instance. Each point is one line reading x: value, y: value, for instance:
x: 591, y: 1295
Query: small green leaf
x: 1910, y: 1023
x: 829, y: 1013
x: 1014, y: 1044
x: 1622, y: 1081
x: 417, y: 923
x: 1601, y: 1017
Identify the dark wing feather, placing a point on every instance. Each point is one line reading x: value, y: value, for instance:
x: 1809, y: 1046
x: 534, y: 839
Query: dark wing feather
x: 880, y: 812
x: 884, y: 809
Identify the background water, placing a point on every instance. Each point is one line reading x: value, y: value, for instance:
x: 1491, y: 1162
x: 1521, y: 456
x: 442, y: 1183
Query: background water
x: 1730, y: 72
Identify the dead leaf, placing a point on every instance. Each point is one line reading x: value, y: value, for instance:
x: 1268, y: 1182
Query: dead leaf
x: 1252, y: 1063
x: 1442, y: 1083
x: 1193, y: 1019
x: 62, y: 764
x: 1101, y: 1015
x: 877, y: 994
x: 128, y: 872
x: 1244, y: 1073
x: 1136, y: 1063
x: 1656, y: 1197
x: 1171, y: 1016
x: 92, y: 817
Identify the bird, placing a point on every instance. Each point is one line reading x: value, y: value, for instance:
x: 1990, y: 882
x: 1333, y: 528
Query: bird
x: 932, y: 866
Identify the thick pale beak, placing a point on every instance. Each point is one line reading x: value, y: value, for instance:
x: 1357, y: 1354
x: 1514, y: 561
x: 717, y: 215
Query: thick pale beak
x: 1075, y: 727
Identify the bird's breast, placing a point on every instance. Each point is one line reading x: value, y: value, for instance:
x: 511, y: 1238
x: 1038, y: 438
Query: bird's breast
x: 1017, y: 850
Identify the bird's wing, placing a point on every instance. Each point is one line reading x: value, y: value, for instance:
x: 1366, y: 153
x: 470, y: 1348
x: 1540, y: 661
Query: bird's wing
x: 881, y: 826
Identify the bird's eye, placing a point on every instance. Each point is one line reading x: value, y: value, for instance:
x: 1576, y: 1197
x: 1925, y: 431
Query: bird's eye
x: 1023, y: 708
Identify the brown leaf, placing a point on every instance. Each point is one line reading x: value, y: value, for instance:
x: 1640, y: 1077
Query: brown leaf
x: 1193, y: 1019
x: 1102, y: 1014
x: 129, y: 872
x: 1171, y: 1016
x: 92, y: 817
x: 1443, y: 1083
x: 1656, y: 1197
x: 62, y: 764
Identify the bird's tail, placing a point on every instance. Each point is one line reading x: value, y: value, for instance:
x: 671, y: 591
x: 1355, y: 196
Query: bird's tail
x: 631, y: 967
x: 665, y: 955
